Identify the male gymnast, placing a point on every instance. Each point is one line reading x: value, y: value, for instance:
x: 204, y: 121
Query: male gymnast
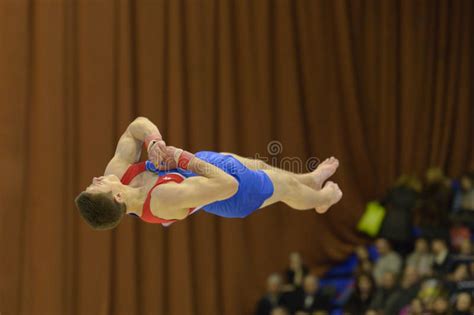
x: 174, y: 183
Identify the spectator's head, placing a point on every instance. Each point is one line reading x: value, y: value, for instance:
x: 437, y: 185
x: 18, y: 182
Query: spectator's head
x: 434, y: 175
x: 463, y: 302
x: 362, y: 253
x: 365, y: 266
x: 365, y: 284
x: 408, y: 181
x: 438, y: 245
x: 383, y: 246
x: 279, y: 311
x: 422, y: 246
x: 440, y: 305
x: 429, y: 289
x: 295, y: 261
x: 466, y: 247
x: 460, y: 273
x: 467, y: 181
x: 416, y: 307
x: 389, y: 280
x: 310, y: 284
x: 410, y: 277
x: 274, y: 284
x: 371, y: 312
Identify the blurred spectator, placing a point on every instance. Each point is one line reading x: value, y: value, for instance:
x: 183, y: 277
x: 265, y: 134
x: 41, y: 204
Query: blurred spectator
x: 386, y: 288
x: 466, y: 248
x: 389, y: 260
x: 430, y: 289
x: 309, y: 298
x: 273, y: 298
x: 442, y: 258
x: 463, y: 304
x: 408, y: 290
x: 371, y: 312
x: 460, y: 279
x: 435, y: 200
x: 459, y: 233
x: 362, y: 296
x: 296, y: 270
x: 441, y: 306
x: 279, y: 311
x: 415, y: 308
x: 362, y: 253
x: 399, y: 203
x: 404, y: 193
x: 421, y: 258
x: 460, y: 273
x: 364, y: 264
x: 463, y: 205
x: 466, y: 196
x: 365, y: 267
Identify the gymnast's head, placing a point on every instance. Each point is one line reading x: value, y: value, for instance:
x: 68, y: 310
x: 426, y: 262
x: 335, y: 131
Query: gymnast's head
x: 101, y: 205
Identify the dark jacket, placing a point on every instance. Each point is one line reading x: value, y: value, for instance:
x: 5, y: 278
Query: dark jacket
x: 380, y: 298
x: 267, y: 303
x: 356, y: 305
x: 400, y: 298
x: 443, y: 268
x: 300, y: 301
x: 290, y: 274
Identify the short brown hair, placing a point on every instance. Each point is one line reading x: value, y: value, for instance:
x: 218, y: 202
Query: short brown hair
x: 100, y: 211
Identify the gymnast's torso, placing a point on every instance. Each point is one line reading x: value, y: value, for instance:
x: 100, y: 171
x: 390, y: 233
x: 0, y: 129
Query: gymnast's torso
x: 254, y: 186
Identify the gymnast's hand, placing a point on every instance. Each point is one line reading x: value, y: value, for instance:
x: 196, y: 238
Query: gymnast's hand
x: 156, y: 152
x: 164, y: 157
x: 168, y: 156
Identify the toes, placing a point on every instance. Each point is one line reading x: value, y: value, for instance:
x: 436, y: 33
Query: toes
x: 326, y: 161
x: 329, y: 184
x: 333, y: 185
x: 321, y: 210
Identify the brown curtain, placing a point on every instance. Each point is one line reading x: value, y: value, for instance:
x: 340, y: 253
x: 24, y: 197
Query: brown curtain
x: 386, y: 86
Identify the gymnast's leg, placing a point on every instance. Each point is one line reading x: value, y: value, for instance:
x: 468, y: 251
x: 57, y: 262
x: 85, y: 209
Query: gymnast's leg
x: 314, y: 179
x: 299, y: 196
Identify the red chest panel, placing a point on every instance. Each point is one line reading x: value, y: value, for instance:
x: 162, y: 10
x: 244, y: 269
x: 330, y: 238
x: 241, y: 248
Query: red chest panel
x: 147, y: 215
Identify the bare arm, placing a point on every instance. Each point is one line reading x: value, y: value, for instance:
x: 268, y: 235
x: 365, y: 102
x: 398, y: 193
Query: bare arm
x: 171, y: 201
x: 129, y: 146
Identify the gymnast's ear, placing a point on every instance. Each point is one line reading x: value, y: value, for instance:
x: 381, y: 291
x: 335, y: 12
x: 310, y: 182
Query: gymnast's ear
x: 118, y: 197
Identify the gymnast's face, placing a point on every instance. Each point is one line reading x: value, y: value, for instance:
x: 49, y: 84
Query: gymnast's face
x: 104, y: 184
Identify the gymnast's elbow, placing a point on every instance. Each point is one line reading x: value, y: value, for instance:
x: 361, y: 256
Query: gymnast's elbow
x: 140, y: 120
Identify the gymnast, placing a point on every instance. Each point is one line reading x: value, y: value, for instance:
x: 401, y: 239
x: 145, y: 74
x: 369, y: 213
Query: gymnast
x: 173, y: 183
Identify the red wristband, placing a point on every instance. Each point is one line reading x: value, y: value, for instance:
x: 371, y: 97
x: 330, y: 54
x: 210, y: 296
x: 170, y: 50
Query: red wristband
x: 184, y: 159
x: 151, y: 137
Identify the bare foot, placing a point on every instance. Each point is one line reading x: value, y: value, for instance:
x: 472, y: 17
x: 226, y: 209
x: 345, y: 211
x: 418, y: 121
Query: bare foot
x: 331, y: 195
x: 323, y: 172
